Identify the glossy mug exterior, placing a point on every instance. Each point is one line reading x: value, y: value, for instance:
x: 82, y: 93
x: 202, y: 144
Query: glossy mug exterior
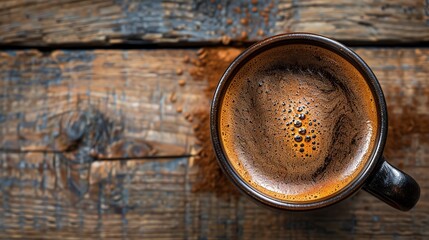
x: 379, y: 178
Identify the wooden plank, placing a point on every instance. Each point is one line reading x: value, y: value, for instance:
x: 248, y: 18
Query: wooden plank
x: 71, y: 22
x: 123, y: 206
x: 47, y: 99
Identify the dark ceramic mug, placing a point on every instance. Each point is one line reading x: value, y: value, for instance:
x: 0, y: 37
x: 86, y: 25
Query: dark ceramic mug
x: 378, y: 177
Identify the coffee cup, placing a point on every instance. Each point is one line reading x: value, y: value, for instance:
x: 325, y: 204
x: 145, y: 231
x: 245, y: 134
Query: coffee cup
x: 298, y: 122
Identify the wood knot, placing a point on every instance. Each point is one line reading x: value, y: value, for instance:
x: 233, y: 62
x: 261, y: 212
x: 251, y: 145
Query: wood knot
x: 73, y: 127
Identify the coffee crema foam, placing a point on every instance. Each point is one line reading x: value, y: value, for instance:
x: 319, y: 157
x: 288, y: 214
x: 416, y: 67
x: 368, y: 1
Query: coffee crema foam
x: 298, y: 123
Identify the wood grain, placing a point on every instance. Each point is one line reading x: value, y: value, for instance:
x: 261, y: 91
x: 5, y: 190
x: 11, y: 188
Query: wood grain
x: 57, y: 97
x: 71, y: 22
x: 121, y: 101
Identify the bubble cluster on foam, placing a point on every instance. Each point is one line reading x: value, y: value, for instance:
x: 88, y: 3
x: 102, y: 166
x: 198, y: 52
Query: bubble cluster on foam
x: 298, y: 123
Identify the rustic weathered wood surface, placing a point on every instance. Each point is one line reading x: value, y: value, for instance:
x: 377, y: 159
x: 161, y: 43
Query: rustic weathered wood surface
x: 100, y: 22
x: 73, y: 106
x: 62, y: 111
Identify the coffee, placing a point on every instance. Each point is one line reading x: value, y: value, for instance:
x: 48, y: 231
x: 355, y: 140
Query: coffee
x: 298, y: 123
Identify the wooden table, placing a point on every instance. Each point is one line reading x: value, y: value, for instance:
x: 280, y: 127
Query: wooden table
x: 83, y: 81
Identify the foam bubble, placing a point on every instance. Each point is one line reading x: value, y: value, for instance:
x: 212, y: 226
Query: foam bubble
x: 298, y: 138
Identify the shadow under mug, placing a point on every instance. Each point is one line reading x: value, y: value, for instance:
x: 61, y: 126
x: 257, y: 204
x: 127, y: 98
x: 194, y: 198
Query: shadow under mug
x: 379, y: 178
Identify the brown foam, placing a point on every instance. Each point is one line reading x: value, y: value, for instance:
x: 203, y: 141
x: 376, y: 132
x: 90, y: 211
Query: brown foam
x: 260, y: 114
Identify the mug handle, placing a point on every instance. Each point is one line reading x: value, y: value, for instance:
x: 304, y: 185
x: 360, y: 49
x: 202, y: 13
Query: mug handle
x: 393, y: 187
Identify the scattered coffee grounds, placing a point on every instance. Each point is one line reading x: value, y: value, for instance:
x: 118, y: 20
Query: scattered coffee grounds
x: 403, y: 125
x: 209, y: 65
x: 210, y: 176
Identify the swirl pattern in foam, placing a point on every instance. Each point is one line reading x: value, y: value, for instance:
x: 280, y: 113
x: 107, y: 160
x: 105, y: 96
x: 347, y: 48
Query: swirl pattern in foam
x: 298, y: 122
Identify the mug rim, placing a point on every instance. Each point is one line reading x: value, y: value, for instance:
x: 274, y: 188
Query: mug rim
x: 337, y: 48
